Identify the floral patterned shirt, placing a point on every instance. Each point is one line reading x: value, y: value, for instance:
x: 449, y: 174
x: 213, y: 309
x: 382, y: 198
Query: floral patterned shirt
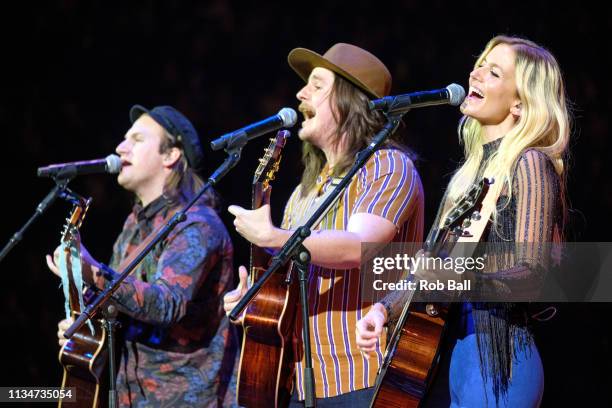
x: 179, y: 349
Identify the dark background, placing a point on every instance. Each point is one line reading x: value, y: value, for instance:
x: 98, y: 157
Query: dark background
x: 72, y: 69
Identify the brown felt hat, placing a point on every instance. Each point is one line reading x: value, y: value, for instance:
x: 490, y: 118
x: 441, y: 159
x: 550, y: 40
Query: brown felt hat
x: 352, y: 63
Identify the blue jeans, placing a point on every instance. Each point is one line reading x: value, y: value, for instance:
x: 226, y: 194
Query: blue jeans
x: 355, y: 399
x: 468, y: 389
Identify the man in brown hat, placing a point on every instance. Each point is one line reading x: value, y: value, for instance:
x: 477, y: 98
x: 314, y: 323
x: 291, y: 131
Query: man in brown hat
x: 383, y: 203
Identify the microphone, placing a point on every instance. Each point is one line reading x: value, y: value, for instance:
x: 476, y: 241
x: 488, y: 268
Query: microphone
x: 110, y: 164
x: 452, y: 95
x: 285, y: 118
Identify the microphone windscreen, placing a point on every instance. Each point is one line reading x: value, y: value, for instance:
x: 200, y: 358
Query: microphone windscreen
x: 457, y: 94
x: 113, y: 163
x: 288, y: 116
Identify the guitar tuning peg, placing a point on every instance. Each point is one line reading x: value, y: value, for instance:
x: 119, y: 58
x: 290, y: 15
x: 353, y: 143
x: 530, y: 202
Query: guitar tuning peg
x: 261, y: 160
x: 466, y: 223
x: 476, y: 216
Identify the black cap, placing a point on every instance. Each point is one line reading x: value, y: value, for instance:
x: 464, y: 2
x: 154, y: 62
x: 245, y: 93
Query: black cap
x: 178, y: 126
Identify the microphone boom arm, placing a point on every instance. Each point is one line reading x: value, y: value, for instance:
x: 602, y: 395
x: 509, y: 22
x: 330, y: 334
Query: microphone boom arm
x: 59, y: 190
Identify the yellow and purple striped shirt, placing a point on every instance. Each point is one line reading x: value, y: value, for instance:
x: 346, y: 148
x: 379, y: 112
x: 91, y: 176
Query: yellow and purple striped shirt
x: 390, y: 187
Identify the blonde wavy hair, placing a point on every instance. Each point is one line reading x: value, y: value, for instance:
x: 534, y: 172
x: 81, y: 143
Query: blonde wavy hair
x: 544, y: 123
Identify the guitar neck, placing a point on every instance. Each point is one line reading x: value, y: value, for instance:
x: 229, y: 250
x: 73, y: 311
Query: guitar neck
x: 259, y: 257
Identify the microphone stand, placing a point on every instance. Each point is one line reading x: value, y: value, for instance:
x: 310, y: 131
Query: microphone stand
x: 94, y: 307
x: 295, y: 250
x: 59, y: 190
x: 111, y: 323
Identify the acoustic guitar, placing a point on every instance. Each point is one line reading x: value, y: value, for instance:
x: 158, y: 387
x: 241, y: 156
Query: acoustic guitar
x: 84, y: 356
x: 267, y: 361
x: 413, y: 348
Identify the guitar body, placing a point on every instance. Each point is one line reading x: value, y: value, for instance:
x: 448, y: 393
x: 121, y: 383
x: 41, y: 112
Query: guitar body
x: 413, y: 350
x: 267, y: 363
x: 416, y: 354
x: 84, y: 359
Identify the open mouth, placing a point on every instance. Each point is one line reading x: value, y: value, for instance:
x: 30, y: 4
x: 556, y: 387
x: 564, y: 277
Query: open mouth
x: 307, y: 111
x: 475, y: 93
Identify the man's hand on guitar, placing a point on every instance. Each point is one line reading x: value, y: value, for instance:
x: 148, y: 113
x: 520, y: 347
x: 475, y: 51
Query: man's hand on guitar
x: 62, y: 326
x: 369, y: 329
x: 52, y: 261
x: 256, y: 226
x: 231, y: 299
x: 90, y: 265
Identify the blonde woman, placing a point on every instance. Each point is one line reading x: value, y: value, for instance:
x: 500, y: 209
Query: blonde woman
x: 515, y: 128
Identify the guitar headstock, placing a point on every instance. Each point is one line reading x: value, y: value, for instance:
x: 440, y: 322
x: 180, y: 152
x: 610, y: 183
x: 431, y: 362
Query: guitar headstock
x: 467, y: 208
x: 269, y: 163
x: 459, y: 218
x: 74, y: 221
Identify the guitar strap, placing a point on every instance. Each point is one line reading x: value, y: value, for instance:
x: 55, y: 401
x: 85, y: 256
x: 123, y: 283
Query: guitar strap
x: 71, y: 256
x: 71, y: 268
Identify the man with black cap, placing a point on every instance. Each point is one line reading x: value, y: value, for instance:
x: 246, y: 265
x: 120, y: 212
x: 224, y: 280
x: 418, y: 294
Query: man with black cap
x: 179, y: 349
x: 383, y: 203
